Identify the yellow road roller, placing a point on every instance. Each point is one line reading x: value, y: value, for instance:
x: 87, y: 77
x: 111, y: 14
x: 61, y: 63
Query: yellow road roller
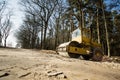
x: 81, y: 44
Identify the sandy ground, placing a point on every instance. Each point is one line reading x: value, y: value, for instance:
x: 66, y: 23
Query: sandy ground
x: 22, y: 64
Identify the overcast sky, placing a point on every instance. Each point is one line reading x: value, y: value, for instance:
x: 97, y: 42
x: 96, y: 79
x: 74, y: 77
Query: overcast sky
x: 16, y: 19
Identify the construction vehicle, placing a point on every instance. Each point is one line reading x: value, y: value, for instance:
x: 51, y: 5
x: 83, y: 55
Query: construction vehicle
x: 82, y: 44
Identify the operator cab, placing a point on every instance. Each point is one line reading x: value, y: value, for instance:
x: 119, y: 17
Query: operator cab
x: 86, y: 33
x: 76, y: 35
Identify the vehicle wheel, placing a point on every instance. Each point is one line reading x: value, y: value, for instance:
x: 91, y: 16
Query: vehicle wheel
x: 72, y: 55
x: 97, y: 54
x: 86, y: 57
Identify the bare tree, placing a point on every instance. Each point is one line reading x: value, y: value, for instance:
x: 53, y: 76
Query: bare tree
x: 106, y: 28
x: 7, y: 24
x: 2, y: 9
x: 46, y: 9
x: 43, y: 9
x: 28, y: 32
x: 58, y: 20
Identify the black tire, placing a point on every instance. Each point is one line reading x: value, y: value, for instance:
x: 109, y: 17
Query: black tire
x: 73, y: 55
x: 86, y: 57
x: 97, y: 54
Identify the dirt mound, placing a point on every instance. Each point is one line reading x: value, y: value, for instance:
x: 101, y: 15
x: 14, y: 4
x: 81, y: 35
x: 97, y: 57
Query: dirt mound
x: 111, y: 59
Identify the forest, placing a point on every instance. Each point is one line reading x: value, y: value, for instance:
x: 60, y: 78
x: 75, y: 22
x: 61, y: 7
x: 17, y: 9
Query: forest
x: 48, y: 23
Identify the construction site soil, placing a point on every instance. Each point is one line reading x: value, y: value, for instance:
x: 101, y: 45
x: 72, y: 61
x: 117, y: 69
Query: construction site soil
x: 25, y: 64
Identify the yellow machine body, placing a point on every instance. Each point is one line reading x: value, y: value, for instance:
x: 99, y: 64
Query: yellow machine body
x: 79, y: 44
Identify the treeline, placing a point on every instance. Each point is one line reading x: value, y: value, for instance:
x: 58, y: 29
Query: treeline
x: 48, y: 23
x: 5, y: 22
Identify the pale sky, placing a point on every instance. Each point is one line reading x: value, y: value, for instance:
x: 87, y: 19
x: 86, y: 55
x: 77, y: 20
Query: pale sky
x: 16, y: 19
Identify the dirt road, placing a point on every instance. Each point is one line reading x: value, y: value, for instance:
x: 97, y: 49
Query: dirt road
x: 21, y: 64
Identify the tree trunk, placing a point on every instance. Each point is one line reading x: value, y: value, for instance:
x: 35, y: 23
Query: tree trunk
x: 45, y: 31
x: 98, y: 31
x: 57, y: 32
x: 83, y: 22
x: 56, y: 39
x: 71, y: 23
x: 41, y: 38
x: 0, y: 38
x: 5, y: 42
x: 106, y: 30
x: 81, y: 16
